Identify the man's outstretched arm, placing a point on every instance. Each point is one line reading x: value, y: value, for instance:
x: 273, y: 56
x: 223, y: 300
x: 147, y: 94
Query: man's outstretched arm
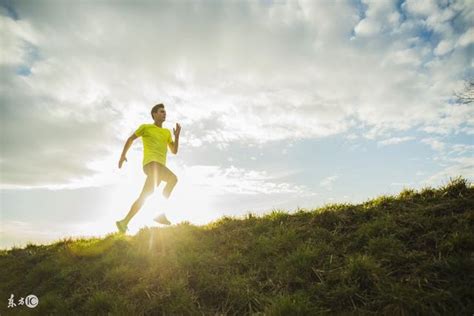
x: 128, y: 143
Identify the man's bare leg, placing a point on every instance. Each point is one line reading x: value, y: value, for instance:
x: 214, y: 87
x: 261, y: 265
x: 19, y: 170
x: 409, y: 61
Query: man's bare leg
x: 170, y: 184
x: 147, y: 190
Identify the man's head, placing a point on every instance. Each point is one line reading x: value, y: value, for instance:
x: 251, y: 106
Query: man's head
x: 158, y: 113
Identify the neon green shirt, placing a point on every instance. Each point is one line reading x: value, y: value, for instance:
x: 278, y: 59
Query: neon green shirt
x: 155, y: 142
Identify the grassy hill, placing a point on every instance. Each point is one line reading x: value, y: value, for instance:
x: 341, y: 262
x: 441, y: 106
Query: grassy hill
x: 398, y: 255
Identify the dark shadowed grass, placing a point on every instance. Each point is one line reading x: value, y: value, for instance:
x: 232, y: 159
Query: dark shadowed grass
x: 396, y: 255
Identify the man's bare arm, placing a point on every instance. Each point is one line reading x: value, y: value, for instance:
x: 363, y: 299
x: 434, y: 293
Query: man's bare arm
x: 128, y: 143
x: 174, y: 145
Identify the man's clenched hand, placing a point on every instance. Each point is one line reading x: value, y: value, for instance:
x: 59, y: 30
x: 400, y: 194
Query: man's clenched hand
x: 122, y: 159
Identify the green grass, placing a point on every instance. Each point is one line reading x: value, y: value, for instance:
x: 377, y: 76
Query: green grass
x: 395, y: 255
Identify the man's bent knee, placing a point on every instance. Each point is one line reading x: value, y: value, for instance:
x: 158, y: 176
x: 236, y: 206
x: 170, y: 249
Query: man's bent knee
x: 174, y: 179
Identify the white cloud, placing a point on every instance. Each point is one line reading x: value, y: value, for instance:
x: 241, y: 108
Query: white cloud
x: 453, y: 119
x: 395, y: 140
x: 266, y: 72
x: 461, y: 149
x: 367, y: 27
x: 405, y: 56
x: 462, y: 166
x: 434, y: 143
x: 423, y: 8
x: 380, y: 16
x: 16, y: 36
x: 444, y: 47
x: 328, y: 181
x: 467, y: 38
x: 217, y: 180
x: 454, y: 159
x: 19, y: 233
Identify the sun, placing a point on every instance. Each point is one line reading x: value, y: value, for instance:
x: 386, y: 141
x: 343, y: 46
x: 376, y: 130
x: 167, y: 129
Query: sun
x: 188, y: 202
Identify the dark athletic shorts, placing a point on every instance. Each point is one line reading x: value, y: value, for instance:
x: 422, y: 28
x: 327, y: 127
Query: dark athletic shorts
x: 159, y: 170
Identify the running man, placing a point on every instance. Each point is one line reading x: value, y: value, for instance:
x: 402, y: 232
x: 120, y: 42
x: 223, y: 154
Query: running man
x: 155, y: 139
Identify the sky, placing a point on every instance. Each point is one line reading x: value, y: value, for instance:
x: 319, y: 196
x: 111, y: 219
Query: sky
x: 284, y: 105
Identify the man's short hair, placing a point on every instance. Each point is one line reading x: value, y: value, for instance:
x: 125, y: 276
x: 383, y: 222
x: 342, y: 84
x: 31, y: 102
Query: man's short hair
x: 155, y: 109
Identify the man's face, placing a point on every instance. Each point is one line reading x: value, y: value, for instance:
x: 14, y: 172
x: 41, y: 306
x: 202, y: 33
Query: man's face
x: 160, y: 115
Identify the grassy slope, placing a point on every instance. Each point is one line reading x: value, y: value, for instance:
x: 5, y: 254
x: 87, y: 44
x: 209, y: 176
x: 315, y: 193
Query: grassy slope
x: 405, y: 254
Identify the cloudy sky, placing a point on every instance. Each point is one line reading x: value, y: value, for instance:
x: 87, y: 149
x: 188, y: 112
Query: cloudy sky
x: 283, y: 105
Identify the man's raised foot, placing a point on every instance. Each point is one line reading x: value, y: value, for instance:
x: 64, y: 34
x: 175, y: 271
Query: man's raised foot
x: 161, y: 219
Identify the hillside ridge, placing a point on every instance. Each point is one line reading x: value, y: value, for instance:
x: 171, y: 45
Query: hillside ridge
x: 411, y: 253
